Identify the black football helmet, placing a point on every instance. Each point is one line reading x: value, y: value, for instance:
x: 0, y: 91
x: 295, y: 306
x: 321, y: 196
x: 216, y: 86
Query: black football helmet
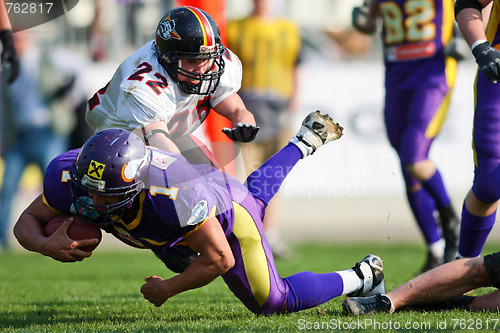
x: 190, y: 33
x: 113, y: 162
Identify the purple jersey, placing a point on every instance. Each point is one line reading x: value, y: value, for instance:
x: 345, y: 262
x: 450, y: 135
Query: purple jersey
x: 415, y: 34
x: 178, y: 198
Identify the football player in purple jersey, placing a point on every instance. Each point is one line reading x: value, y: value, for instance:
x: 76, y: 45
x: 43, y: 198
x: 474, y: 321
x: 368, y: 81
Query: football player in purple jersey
x: 419, y: 78
x: 480, y: 204
x: 154, y: 199
x: 443, y: 287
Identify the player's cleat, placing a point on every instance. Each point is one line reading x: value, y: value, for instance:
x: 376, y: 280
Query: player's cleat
x: 450, y: 224
x: 371, y: 271
x: 317, y: 129
x: 368, y: 305
x: 432, y: 262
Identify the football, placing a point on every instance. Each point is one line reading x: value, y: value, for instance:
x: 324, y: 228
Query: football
x: 78, y: 230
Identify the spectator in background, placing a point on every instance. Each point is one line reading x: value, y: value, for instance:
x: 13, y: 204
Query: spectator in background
x: 419, y: 79
x: 8, y: 55
x: 269, y: 50
x: 36, y: 119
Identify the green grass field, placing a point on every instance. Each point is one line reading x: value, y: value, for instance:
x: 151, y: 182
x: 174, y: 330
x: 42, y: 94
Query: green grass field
x: 101, y: 294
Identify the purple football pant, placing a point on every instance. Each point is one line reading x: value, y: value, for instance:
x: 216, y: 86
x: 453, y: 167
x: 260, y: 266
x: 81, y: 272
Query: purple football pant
x: 254, y: 279
x: 413, y: 118
x: 486, y: 140
x: 486, y: 187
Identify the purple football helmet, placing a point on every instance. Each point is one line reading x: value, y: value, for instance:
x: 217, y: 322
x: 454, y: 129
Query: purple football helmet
x: 113, y: 162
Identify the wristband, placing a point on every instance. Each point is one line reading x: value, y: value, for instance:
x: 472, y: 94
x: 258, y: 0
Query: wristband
x: 477, y: 42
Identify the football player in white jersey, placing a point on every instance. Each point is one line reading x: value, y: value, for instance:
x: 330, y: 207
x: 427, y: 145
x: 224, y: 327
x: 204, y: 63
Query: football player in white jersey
x: 165, y: 90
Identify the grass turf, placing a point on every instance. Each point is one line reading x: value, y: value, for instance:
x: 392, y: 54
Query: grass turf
x: 101, y: 294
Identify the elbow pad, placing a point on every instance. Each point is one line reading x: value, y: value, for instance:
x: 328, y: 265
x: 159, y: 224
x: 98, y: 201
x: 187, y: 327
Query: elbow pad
x: 463, y: 4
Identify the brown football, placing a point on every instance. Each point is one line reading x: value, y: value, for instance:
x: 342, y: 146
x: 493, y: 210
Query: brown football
x: 78, y: 230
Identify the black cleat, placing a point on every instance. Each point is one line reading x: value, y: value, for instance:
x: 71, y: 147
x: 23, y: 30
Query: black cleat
x: 432, y: 262
x: 450, y: 224
x: 368, y: 305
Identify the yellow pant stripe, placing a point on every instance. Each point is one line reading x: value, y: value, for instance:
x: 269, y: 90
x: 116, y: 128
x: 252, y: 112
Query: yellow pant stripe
x: 254, y: 257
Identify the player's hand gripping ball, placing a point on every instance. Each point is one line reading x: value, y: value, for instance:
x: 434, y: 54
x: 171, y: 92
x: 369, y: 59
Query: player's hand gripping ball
x: 78, y: 230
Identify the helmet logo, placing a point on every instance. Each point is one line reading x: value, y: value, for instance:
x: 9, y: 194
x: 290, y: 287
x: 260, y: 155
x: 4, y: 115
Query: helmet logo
x: 96, y: 169
x: 130, y: 169
x: 166, y: 29
x: 207, y: 49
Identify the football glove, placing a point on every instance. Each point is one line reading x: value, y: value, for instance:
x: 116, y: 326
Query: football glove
x: 242, y: 132
x: 9, y: 55
x: 488, y: 60
x: 362, y: 21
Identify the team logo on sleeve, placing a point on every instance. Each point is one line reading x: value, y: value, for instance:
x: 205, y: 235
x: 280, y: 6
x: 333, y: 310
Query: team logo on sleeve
x: 199, y: 213
x: 96, y: 169
x: 167, y: 29
x: 162, y: 161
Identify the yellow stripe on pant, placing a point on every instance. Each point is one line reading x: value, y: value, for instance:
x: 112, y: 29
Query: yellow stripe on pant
x: 252, y: 251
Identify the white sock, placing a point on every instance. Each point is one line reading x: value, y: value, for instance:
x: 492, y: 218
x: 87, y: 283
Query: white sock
x: 304, y: 149
x: 351, y: 281
x: 437, y: 248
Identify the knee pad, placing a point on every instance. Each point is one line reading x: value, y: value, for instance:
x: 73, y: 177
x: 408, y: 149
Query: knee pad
x: 486, y: 185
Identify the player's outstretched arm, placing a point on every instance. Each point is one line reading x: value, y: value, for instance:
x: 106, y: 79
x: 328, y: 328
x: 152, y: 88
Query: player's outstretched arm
x: 243, y: 128
x: 215, y: 259
x: 470, y: 21
x: 9, y: 54
x: 156, y: 135
x: 29, y: 232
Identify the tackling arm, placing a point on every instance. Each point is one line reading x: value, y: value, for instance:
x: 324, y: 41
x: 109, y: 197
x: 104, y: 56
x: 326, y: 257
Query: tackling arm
x: 29, y: 233
x: 470, y: 21
x: 8, y: 55
x: 4, y: 18
x: 215, y: 259
x: 156, y: 135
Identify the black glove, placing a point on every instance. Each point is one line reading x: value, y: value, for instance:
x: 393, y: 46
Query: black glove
x: 488, y: 59
x: 9, y: 54
x: 362, y: 21
x: 241, y: 133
